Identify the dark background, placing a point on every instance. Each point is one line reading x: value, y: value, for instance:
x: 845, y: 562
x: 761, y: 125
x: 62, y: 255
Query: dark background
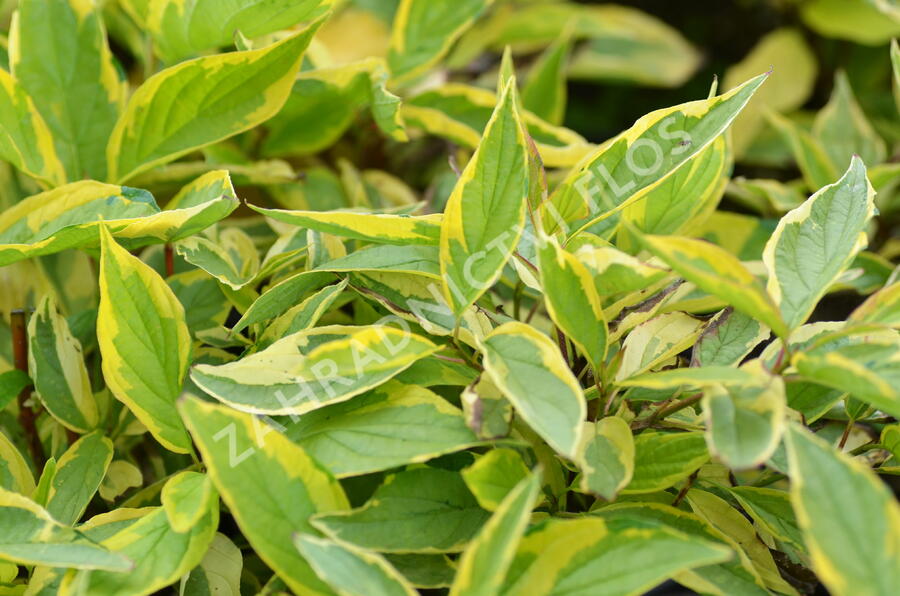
x: 724, y: 31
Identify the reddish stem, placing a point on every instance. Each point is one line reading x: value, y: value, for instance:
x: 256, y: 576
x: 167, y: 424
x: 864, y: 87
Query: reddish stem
x: 561, y: 339
x: 26, y: 414
x: 170, y: 260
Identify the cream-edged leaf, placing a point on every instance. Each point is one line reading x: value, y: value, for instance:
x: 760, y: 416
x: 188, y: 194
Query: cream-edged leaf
x: 313, y: 368
x: 485, y: 562
x: 849, y: 519
x: 485, y: 213
x: 814, y: 243
x: 56, y: 363
x: 73, y: 81
x: 572, y: 300
x: 625, y: 168
x: 182, y: 28
x: 714, y: 270
x: 25, y: 139
x: 392, y: 425
x: 350, y: 570
x: 218, y: 96
x: 144, y: 341
x: 241, y: 451
x: 530, y: 372
x: 424, y: 30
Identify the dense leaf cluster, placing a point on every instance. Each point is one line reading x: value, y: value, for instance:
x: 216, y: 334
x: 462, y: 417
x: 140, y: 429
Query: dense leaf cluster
x: 323, y: 298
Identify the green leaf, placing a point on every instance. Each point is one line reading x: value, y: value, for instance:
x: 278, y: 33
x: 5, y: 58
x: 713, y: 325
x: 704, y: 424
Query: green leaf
x: 313, y: 368
x: 849, y: 518
x: 882, y: 307
x: 73, y: 80
x: 79, y: 473
x: 289, y: 250
x: 663, y: 459
x: 424, y: 571
x: 48, y: 474
x: 843, y: 129
x: 616, y: 272
x: 736, y: 576
x: 144, y: 342
x: 676, y: 204
x: 352, y: 571
x: 494, y: 475
x: 811, y: 399
x: 573, y: 301
x: 387, y: 427
x: 182, y: 28
x: 423, y: 510
x: 767, y: 195
x: 15, y: 473
x: 744, y: 423
x: 205, y: 307
x: 727, y: 339
x: 607, y: 462
x: 627, y: 44
x: 895, y: 62
x: 620, y: 42
x: 211, y: 185
x: 424, y: 30
x: 655, y: 341
x: 487, y: 412
x: 860, y: 21
x: 137, y: 10
x: 161, y: 555
x: 56, y: 363
x: 460, y: 113
x: 288, y: 486
x: 186, y: 497
x: 771, y: 509
x: 232, y: 259
x: 816, y: 242
x: 324, y: 103
x: 594, y: 557
x: 31, y: 537
x: 12, y: 382
x: 869, y: 371
x: 890, y: 438
x: 120, y: 476
x: 281, y: 297
x: 656, y: 145
x: 485, y: 562
x: 303, y: 316
x: 544, y: 92
x: 810, y: 155
x: 722, y: 516
x: 700, y: 376
x: 791, y: 83
x: 379, y: 228
x: 46, y: 214
x: 419, y: 260
x: 218, y: 97
x: 218, y: 573
x: 485, y: 214
x: 70, y: 216
x: 419, y: 299
x: 25, y: 139
x: 437, y: 370
x: 531, y: 373
x: 715, y: 271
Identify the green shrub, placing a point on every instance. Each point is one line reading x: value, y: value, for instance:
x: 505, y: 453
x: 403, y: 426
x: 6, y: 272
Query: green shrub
x: 446, y: 342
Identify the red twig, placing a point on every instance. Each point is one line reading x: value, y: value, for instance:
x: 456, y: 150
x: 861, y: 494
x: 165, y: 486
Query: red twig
x: 170, y: 260
x: 26, y: 414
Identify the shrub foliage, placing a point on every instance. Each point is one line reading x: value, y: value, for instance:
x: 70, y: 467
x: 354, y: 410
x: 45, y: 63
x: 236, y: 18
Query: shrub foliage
x: 325, y: 298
